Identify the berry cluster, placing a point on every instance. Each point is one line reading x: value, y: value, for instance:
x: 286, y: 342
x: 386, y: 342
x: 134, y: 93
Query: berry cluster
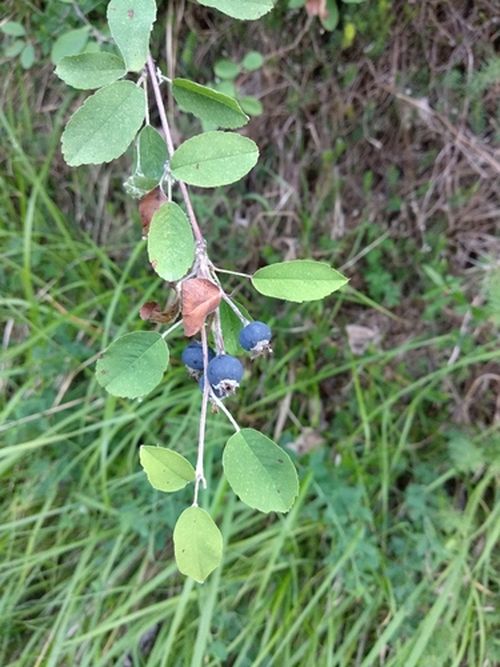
x: 225, y: 372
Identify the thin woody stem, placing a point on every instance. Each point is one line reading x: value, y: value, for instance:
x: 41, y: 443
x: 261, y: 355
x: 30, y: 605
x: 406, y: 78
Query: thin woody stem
x: 171, y: 148
x: 170, y: 329
x: 199, y: 471
x: 226, y: 296
x: 223, y: 408
x: 232, y: 273
x: 234, y: 307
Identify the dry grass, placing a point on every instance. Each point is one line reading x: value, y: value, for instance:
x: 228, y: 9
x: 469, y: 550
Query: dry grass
x: 399, y: 111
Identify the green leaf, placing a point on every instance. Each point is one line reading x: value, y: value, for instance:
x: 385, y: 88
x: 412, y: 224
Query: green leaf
x: 166, y: 470
x: 226, y: 69
x: 149, y: 167
x: 251, y: 105
x: 13, y: 28
x: 170, y: 242
x: 298, y: 280
x: 240, y: 9
x: 69, y: 44
x: 90, y: 70
x: 209, y: 105
x: 137, y: 186
x: 259, y: 472
x: 130, y: 23
x: 231, y: 327
x: 151, y: 154
x: 133, y: 365
x: 214, y: 158
x: 92, y: 47
x: 252, y: 61
x: 14, y: 48
x: 105, y: 125
x: 197, y: 544
x: 466, y: 456
x: 226, y: 87
x: 27, y: 57
x: 332, y: 18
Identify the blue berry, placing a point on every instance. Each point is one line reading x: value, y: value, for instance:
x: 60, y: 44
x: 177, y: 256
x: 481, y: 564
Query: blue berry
x: 192, y: 356
x: 255, y: 337
x: 218, y: 392
x: 225, y: 372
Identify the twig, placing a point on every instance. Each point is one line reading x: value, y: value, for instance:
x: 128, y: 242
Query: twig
x: 225, y: 296
x: 223, y: 408
x: 199, y: 472
x: 232, y: 273
x: 234, y: 308
x: 153, y: 75
x: 170, y: 329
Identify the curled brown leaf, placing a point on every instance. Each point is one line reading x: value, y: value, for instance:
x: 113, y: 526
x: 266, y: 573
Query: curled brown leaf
x: 152, y: 312
x: 148, y: 205
x: 317, y: 8
x: 200, y: 297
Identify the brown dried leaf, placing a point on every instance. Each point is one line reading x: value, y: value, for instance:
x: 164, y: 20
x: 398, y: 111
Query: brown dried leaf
x: 148, y: 206
x: 200, y: 297
x: 317, y: 8
x: 152, y: 312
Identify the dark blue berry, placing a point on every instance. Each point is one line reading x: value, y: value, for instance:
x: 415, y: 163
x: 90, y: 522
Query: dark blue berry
x: 255, y: 336
x: 192, y: 356
x: 218, y: 392
x: 225, y: 372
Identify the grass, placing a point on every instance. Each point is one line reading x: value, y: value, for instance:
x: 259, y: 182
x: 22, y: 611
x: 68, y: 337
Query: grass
x: 390, y: 554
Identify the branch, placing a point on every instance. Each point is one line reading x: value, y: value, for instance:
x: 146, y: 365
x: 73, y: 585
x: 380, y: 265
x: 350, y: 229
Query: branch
x: 223, y: 409
x: 171, y: 148
x: 234, y: 307
x: 199, y: 472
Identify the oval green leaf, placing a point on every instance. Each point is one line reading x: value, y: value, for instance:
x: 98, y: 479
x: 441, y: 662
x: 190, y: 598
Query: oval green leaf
x: 259, y: 472
x: 197, y: 544
x: 151, y: 154
x: 137, y: 186
x: 166, y: 470
x: 252, y: 61
x: 69, y: 44
x: 214, y: 158
x: 171, y: 245
x: 331, y: 18
x: 90, y: 70
x: 130, y: 23
x: 209, y: 105
x: 14, y: 48
x: 298, y: 280
x: 240, y: 9
x: 226, y: 69
x: 133, y: 365
x: 231, y: 326
x: 27, y: 57
x: 105, y: 125
x: 251, y: 105
x: 226, y: 87
x: 13, y: 28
